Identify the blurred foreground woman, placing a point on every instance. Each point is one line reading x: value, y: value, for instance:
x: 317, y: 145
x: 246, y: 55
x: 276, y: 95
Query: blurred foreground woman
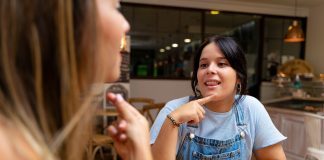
x: 51, y: 54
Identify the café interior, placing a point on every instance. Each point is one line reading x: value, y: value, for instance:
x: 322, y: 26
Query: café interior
x: 282, y: 41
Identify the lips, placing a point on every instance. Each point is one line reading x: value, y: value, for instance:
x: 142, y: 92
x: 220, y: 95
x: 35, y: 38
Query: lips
x: 212, y: 82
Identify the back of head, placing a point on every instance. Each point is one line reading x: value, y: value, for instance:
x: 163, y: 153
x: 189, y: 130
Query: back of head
x: 46, y: 68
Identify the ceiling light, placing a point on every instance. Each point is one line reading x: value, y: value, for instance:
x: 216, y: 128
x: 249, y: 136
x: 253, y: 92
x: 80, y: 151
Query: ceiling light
x: 295, y: 32
x: 213, y: 12
x: 162, y: 50
x: 187, y: 40
x: 175, y: 45
x: 167, y: 47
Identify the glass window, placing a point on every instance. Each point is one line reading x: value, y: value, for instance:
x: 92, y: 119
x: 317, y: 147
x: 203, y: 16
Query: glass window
x: 245, y: 29
x: 275, y: 50
x: 163, y: 40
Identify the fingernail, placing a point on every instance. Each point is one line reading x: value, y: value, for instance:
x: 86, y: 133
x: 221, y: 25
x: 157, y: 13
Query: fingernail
x: 112, y: 130
x: 122, y: 124
x: 119, y: 98
x: 122, y: 137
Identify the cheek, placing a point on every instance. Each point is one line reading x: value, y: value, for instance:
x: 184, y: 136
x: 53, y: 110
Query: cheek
x: 109, y: 24
x: 199, y: 77
x: 110, y: 35
x: 230, y: 79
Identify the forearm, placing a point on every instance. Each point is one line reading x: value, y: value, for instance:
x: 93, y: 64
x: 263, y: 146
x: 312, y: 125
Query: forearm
x: 273, y: 152
x: 142, y: 152
x: 165, y: 144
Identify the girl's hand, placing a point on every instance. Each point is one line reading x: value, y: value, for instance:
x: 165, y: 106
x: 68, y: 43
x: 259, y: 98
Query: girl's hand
x: 191, y: 112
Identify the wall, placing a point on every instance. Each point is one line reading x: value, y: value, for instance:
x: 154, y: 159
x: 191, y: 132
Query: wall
x: 237, y: 6
x: 160, y: 90
x: 315, y: 39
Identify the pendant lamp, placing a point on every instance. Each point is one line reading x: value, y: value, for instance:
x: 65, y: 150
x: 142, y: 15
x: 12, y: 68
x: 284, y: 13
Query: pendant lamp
x: 295, y: 32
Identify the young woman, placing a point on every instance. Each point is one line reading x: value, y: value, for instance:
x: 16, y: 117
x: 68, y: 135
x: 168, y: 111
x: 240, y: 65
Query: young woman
x: 55, y: 54
x: 219, y: 122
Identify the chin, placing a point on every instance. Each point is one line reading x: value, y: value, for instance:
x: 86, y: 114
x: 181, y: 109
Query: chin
x: 208, y: 93
x: 112, y: 77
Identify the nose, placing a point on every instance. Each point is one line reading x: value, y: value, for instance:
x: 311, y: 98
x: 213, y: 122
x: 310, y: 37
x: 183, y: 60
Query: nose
x: 125, y: 25
x: 212, y: 69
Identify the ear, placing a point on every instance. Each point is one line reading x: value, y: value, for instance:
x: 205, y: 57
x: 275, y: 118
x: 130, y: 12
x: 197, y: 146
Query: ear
x: 238, y: 86
x: 238, y: 81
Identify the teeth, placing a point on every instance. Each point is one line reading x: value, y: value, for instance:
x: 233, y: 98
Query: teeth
x: 210, y: 83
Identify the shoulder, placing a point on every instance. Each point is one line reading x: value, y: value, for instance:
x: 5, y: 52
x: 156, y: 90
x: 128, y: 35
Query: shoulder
x: 249, y: 100
x: 173, y: 104
x: 13, y: 141
x: 255, y: 111
x: 253, y: 108
x: 251, y: 103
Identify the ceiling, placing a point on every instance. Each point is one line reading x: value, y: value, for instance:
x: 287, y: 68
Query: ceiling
x: 300, y: 3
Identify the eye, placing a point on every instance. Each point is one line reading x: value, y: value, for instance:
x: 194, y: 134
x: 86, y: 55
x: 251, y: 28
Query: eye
x: 203, y: 65
x: 222, y: 64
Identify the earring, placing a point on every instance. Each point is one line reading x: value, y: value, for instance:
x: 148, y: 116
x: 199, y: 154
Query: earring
x: 239, y: 88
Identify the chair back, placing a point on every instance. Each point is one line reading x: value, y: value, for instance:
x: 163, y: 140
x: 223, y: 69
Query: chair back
x: 150, y: 111
x: 139, y: 102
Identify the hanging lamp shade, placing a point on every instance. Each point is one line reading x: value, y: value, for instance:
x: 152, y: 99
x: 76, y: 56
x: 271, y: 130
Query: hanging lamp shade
x: 295, y: 33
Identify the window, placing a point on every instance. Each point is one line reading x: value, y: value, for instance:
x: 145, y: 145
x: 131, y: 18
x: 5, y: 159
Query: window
x: 275, y: 50
x: 165, y: 39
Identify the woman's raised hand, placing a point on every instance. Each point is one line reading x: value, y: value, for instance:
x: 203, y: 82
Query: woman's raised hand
x: 131, y: 132
x: 191, y: 112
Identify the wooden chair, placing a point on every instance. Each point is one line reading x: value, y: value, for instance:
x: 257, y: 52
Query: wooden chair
x: 139, y: 102
x: 150, y: 111
x: 99, y: 141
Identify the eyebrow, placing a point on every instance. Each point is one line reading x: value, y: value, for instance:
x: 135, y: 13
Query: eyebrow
x: 204, y: 59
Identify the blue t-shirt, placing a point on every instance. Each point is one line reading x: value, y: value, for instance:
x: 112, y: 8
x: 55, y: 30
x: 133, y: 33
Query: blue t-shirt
x: 261, y: 132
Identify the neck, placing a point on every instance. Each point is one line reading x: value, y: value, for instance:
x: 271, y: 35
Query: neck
x: 221, y: 106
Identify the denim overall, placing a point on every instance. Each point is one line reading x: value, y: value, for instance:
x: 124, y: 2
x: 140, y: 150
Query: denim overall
x: 197, y: 148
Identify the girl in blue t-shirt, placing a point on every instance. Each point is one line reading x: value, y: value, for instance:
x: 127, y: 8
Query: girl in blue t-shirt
x: 220, y: 121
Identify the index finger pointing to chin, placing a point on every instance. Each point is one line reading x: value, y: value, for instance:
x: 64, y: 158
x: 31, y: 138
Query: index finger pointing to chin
x: 205, y: 100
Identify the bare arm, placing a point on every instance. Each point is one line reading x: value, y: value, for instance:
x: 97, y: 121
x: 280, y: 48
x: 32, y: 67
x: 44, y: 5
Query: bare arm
x: 165, y: 144
x: 273, y: 152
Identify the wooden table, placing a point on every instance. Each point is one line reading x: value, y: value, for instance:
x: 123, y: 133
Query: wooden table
x: 108, y: 113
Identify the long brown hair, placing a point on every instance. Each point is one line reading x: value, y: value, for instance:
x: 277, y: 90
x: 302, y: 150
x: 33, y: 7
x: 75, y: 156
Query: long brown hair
x: 46, y: 71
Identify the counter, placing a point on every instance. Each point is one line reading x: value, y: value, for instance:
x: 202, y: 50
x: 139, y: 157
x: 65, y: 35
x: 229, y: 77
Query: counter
x: 301, y: 120
x: 304, y: 104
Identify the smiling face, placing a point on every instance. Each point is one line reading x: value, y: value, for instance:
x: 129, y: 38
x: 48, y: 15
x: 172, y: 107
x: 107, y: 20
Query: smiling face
x: 111, y: 26
x: 215, y: 75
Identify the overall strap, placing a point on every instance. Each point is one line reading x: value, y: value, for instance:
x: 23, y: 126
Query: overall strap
x: 239, y: 114
x: 191, y: 98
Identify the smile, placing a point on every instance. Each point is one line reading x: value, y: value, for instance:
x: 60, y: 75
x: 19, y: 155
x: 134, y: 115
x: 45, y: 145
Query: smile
x: 212, y: 83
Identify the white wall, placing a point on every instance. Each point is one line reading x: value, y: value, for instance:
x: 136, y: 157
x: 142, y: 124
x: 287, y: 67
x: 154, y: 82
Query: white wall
x: 160, y: 90
x: 315, y: 39
x: 224, y: 5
